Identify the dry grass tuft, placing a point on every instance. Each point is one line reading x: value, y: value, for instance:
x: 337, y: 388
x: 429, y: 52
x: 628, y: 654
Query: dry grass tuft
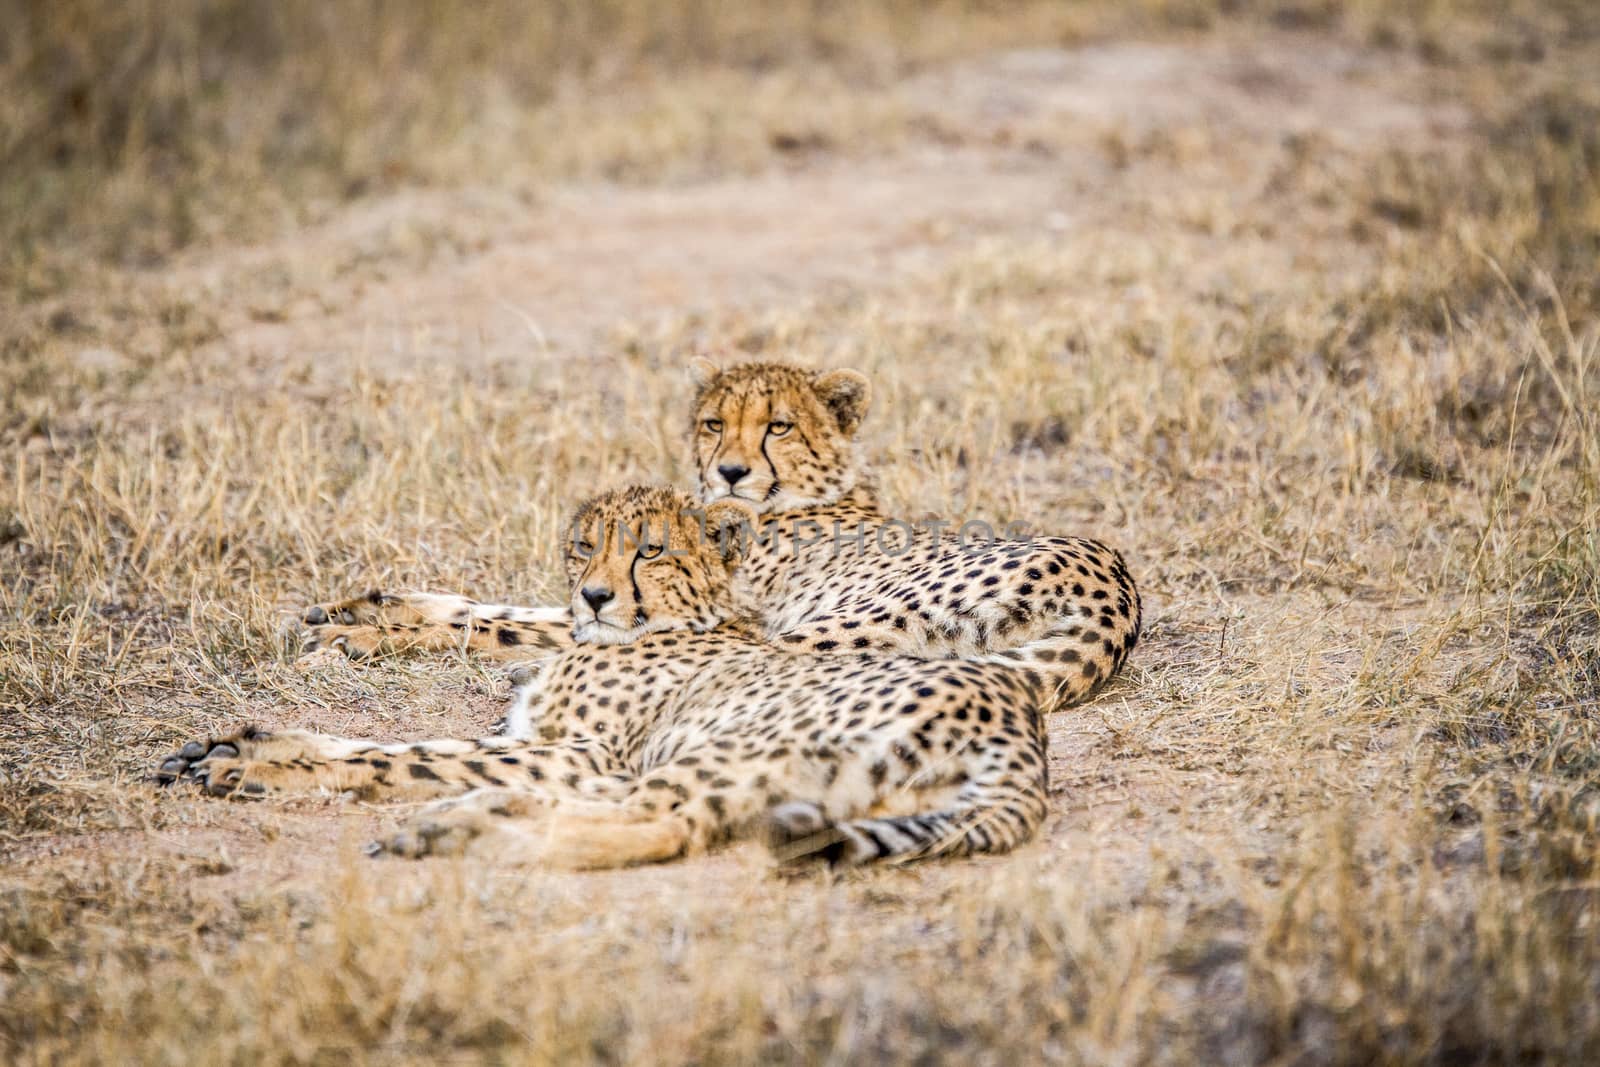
x: 1301, y: 311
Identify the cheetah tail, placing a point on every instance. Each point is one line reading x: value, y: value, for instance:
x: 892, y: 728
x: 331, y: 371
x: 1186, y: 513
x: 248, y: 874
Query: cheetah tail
x: 802, y: 835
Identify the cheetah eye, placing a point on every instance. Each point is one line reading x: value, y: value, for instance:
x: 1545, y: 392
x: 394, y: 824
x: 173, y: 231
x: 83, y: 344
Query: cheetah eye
x: 779, y: 428
x: 712, y: 425
x: 585, y: 549
x: 650, y: 551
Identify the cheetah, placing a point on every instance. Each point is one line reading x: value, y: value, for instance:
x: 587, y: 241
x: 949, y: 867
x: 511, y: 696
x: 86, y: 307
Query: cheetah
x: 811, y: 461
x: 827, y: 569
x: 672, y: 726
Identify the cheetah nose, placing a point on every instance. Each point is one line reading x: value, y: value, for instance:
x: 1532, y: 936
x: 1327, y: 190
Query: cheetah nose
x: 732, y: 472
x: 597, y: 597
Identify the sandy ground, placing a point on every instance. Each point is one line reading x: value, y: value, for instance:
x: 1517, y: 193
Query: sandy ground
x: 1019, y: 152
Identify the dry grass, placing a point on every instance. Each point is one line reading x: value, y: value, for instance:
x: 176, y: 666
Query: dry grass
x: 1332, y: 387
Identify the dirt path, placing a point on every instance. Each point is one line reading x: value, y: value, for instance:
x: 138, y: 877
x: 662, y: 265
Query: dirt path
x: 1028, y: 145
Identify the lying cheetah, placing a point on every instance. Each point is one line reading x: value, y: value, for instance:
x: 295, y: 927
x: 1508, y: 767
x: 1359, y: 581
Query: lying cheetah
x: 828, y: 571
x: 673, y: 725
x: 811, y: 461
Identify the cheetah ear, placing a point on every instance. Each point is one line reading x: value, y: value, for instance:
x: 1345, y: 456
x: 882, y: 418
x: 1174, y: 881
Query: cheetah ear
x: 702, y: 371
x: 847, y: 393
x: 730, y: 523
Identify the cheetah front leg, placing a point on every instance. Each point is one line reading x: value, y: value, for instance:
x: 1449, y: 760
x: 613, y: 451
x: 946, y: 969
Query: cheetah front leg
x: 253, y: 763
x: 383, y: 623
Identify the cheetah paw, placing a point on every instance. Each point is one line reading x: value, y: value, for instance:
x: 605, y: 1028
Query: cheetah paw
x: 348, y: 628
x: 213, y: 764
x: 427, y: 836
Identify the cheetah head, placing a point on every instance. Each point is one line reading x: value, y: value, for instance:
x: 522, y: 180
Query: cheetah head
x: 777, y: 436
x: 648, y: 558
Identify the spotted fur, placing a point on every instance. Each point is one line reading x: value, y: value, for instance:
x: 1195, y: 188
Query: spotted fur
x: 827, y: 571
x: 674, y: 725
